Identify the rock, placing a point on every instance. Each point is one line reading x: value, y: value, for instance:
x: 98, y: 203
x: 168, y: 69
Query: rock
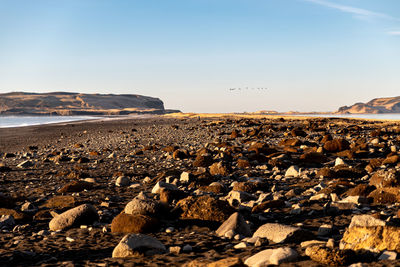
x: 325, y: 230
x: 186, y: 177
x: 313, y: 158
x: 203, y: 160
x: 386, y: 195
x: 336, y: 145
x: 328, y: 256
x: 132, y: 244
x: 219, y: 168
x: 228, y: 262
x: 274, y: 204
x: 365, y: 221
x: 280, y: 233
x: 293, y: 171
x: 75, y: 186
x: 204, y: 208
x: 123, y: 181
x: 60, y: 202
x: 339, y: 161
x: 388, y: 255
x: 235, y: 198
x: 187, y: 248
x: 25, y: 164
x: 18, y: 216
x: 6, y: 201
x: 127, y: 223
x: 6, y: 221
x: 235, y: 223
x: 83, y: 214
x: 148, y: 206
x: 28, y: 207
x: 272, y: 256
x: 310, y: 243
x: 384, y: 178
x: 156, y: 189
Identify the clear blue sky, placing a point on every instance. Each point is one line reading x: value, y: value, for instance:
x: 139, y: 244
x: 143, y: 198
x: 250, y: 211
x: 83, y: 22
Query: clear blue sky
x: 312, y: 55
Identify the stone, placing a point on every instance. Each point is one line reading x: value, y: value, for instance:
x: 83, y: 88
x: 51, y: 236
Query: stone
x: 328, y: 256
x: 127, y: 223
x: 83, y: 214
x: 385, y: 178
x: 336, y: 145
x: 186, y: 177
x: 293, y: 171
x: 175, y: 250
x: 235, y: 198
x: 123, y: 181
x: 203, y: 160
x: 75, y: 186
x: 388, y: 255
x: 204, y: 208
x: 339, y: 161
x: 365, y: 221
x: 6, y: 201
x: 218, y: 168
x: 272, y: 256
x: 386, y: 195
x: 235, y: 223
x: 28, y: 207
x: 146, y: 206
x: 132, y: 244
x: 280, y: 233
x: 313, y: 158
x: 325, y: 230
x: 187, y: 248
x: 227, y: 262
x: 6, y: 221
x: 156, y: 189
x: 60, y: 202
x: 25, y: 164
x: 309, y: 243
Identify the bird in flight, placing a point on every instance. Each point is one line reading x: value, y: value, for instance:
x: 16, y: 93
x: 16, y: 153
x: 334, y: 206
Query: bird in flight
x: 248, y: 88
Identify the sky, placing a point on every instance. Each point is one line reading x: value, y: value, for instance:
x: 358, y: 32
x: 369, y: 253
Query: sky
x: 310, y: 55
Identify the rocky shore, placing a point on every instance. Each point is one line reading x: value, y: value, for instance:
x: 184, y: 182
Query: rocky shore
x: 201, y: 192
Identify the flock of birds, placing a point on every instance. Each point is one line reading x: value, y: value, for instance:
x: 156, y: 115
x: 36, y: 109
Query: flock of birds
x: 248, y: 88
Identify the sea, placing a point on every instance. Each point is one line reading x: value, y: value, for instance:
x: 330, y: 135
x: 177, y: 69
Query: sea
x: 20, y: 121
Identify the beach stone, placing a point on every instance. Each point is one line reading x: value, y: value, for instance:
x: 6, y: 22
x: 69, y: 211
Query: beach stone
x: 390, y: 160
x: 313, y: 158
x: 18, y: 216
x: 186, y: 177
x: 6, y: 221
x: 237, y: 197
x: 145, y: 206
x: 339, y: 161
x: 293, y: 171
x: 75, y: 186
x: 336, y: 145
x: 235, y: 223
x: 328, y: 256
x: 204, y: 208
x: 388, y: 255
x: 365, y: 221
x: 83, y: 214
x: 28, y: 207
x: 156, y: 189
x: 127, y: 223
x: 272, y: 257
x: 227, y: 262
x: 203, y: 160
x: 325, y: 230
x: 386, y: 195
x: 132, y: 244
x: 275, y: 204
x: 123, y: 181
x: 309, y: 243
x: 60, y: 202
x: 218, y: 168
x: 25, y: 164
x: 6, y: 201
x: 280, y: 233
x: 385, y: 178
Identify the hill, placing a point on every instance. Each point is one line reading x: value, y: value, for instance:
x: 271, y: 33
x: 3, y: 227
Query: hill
x: 377, y: 105
x: 63, y: 103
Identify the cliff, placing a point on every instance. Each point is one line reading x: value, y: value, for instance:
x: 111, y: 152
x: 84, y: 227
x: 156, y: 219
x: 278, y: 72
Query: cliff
x: 62, y: 103
x: 377, y: 105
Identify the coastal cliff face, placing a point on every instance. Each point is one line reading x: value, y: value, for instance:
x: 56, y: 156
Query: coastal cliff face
x: 375, y: 106
x: 62, y: 103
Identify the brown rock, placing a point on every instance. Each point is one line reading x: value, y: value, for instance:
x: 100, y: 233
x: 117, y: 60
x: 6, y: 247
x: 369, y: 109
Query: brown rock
x: 168, y: 196
x: 331, y: 257
x: 336, y: 145
x: 180, y: 154
x: 290, y: 142
x: 391, y: 160
x: 228, y: 262
x: 204, y: 208
x: 249, y: 187
x: 16, y: 214
x: 243, y: 163
x: 387, y: 195
x: 204, y: 160
x: 128, y: 223
x: 218, y: 168
x: 75, y: 186
x: 268, y: 204
x: 360, y: 190
x: 313, y: 157
x: 384, y: 178
x: 60, y: 202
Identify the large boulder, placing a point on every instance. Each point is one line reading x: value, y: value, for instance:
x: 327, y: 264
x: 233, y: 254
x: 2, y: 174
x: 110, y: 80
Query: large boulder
x: 280, y: 233
x: 81, y: 215
x: 144, y: 206
x: 272, y: 257
x: 385, y: 178
x: 235, y: 223
x: 204, y: 208
x: 132, y: 244
x: 127, y: 223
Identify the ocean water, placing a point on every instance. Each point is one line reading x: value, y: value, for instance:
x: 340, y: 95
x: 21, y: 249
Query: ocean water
x: 19, y: 121
x: 387, y: 116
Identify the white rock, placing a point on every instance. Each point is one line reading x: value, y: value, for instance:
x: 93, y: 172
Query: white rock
x: 319, y: 197
x: 137, y: 242
x: 293, y: 171
x: 272, y: 256
x: 241, y: 245
x: 237, y: 197
x: 388, y: 255
x: 365, y: 221
x: 185, y: 177
x: 156, y: 189
x: 310, y: 243
x: 236, y: 224
x: 277, y: 233
x: 122, y: 181
x: 25, y: 164
x: 339, y: 161
x: 142, y: 205
x: 83, y: 214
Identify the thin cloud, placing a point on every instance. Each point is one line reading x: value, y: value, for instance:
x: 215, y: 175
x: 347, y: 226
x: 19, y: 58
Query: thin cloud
x: 394, y: 33
x: 358, y: 12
